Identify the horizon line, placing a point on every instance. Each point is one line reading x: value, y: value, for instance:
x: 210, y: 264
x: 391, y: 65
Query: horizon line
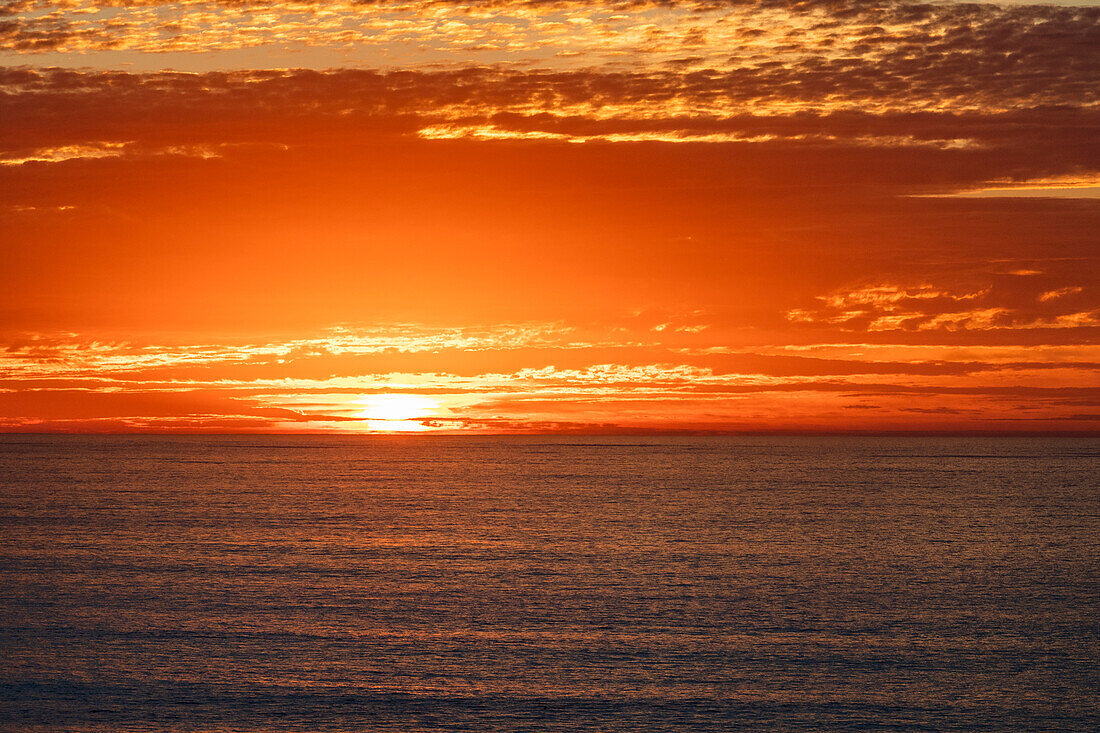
x: 583, y: 433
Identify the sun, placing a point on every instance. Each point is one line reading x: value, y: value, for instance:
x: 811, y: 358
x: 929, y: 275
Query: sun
x: 397, y: 412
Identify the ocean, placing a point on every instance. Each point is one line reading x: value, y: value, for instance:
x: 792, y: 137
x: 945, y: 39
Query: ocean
x: 418, y: 583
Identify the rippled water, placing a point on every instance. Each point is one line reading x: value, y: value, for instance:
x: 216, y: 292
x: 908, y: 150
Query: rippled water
x: 354, y: 584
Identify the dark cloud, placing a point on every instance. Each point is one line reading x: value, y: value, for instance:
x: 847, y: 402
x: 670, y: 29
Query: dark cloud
x: 900, y: 54
x: 984, y: 76
x: 43, y: 109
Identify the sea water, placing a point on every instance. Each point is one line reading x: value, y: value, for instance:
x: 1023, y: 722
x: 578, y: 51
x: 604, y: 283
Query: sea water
x: 258, y: 583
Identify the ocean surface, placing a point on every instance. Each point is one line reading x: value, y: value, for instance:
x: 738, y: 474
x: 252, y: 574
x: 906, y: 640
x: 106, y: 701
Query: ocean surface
x: 548, y: 583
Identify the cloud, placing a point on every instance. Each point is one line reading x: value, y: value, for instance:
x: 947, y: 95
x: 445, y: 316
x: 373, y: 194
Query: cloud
x: 561, y: 377
x: 763, y: 55
x: 1005, y: 303
x: 55, y: 114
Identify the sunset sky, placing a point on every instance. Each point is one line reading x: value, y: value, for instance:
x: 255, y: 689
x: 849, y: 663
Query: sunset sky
x: 528, y: 216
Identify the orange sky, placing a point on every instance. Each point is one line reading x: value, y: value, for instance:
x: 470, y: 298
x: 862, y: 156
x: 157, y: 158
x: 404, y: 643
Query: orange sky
x: 527, y: 216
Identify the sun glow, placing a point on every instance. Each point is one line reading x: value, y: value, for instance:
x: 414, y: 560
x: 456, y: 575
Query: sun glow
x: 397, y: 412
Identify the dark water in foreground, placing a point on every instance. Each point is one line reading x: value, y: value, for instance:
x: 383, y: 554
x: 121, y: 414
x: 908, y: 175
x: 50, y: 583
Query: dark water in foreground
x: 357, y: 584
